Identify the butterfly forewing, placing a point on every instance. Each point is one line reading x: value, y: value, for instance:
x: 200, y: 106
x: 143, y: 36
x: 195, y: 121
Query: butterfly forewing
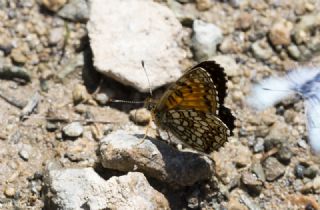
x: 194, y: 90
x: 190, y: 109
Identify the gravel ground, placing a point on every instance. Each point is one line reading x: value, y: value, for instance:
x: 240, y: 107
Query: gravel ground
x: 46, y: 60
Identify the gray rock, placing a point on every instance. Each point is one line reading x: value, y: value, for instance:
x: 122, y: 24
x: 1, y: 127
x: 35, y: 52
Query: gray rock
x: 75, y: 10
x: 273, y: 169
x: 257, y: 169
x: 259, y: 146
x: 294, y: 51
x: 205, y: 39
x: 84, y: 189
x: 284, y: 154
x: 124, y: 152
x: 73, y: 130
x: 261, y: 50
x: 121, y: 36
x: 56, y: 36
x: 252, y: 183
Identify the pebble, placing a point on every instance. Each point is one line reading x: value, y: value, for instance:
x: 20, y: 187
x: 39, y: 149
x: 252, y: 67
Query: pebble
x: 244, y: 21
x: 261, y: 50
x: 205, y: 39
x: 73, y: 130
x: 230, y: 46
x: 273, y: 169
x: 284, y: 154
x: 280, y: 33
x: 24, y: 154
x: 140, y: 116
x: 294, y: 51
x: 9, y: 192
x: 203, y: 4
x: 5, y: 44
x: 303, y: 144
x: 259, y: 146
x: 75, y: 10
x: 102, y: 98
x: 257, y: 169
x: 311, y: 172
x: 252, y: 183
x: 56, y: 36
x: 18, y: 56
x: 299, y: 171
x: 79, y: 94
x: 51, y: 127
x: 53, y: 5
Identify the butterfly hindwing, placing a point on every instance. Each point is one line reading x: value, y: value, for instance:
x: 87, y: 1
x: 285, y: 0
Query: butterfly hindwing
x: 202, y: 131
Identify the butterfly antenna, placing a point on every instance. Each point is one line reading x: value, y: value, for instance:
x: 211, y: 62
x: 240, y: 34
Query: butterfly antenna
x: 125, y: 101
x: 145, y: 71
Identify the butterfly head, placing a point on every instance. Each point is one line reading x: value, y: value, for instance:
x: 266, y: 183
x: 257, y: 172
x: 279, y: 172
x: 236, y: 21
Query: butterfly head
x: 150, y: 104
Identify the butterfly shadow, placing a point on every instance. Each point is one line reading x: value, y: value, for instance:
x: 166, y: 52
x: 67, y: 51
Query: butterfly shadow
x: 182, y: 167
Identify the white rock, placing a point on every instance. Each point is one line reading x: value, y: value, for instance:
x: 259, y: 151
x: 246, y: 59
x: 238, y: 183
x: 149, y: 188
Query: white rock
x: 73, y: 129
x: 85, y: 189
x: 125, y: 32
x: 205, y: 39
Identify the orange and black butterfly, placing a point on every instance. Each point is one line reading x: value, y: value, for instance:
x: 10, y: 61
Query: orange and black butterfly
x: 192, y: 108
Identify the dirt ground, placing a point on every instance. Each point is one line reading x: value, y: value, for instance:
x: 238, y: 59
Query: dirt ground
x: 275, y: 140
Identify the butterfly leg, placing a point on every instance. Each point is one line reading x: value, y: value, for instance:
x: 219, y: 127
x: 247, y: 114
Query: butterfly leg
x: 145, y: 135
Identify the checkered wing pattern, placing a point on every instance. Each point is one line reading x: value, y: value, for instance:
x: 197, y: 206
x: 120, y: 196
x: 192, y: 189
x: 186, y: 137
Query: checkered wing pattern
x: 202, y: 131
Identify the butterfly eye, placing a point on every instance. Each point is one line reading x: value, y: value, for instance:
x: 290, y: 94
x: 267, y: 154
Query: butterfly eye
x: 149, y: 104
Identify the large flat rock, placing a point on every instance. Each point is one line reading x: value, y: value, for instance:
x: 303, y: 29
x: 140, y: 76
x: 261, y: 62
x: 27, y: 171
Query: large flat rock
x: 125, y: 32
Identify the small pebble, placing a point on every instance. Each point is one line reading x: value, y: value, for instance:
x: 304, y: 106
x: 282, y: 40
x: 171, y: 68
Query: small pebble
x: 261, y: 50
x: 284, y: 154
x: 299, y: 171
x: 252, y: 183
x: 259, y: 146
x: 244, y: 21
x: 9, y: 192
x: 273, y: 169
x: 53, y: 5
x: 18, y: 56
x: 24, y: 154
x: 203, y: 4
x: 102, y: 98
x: 79, y: 94
x: 280, y: 33
x: 303, y: 144
x: 310, y: 172
x: 73, y: 130
x: 51, y: 127
x: 140, y: 116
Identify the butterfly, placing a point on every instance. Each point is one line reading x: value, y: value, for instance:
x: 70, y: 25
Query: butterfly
x: 303, y: 81
x: 192, y: 108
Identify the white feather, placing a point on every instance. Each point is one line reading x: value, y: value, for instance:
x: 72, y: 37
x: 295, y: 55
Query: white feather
x: 312, y: 108
x: 269, y: 92
x: 272, y: 90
